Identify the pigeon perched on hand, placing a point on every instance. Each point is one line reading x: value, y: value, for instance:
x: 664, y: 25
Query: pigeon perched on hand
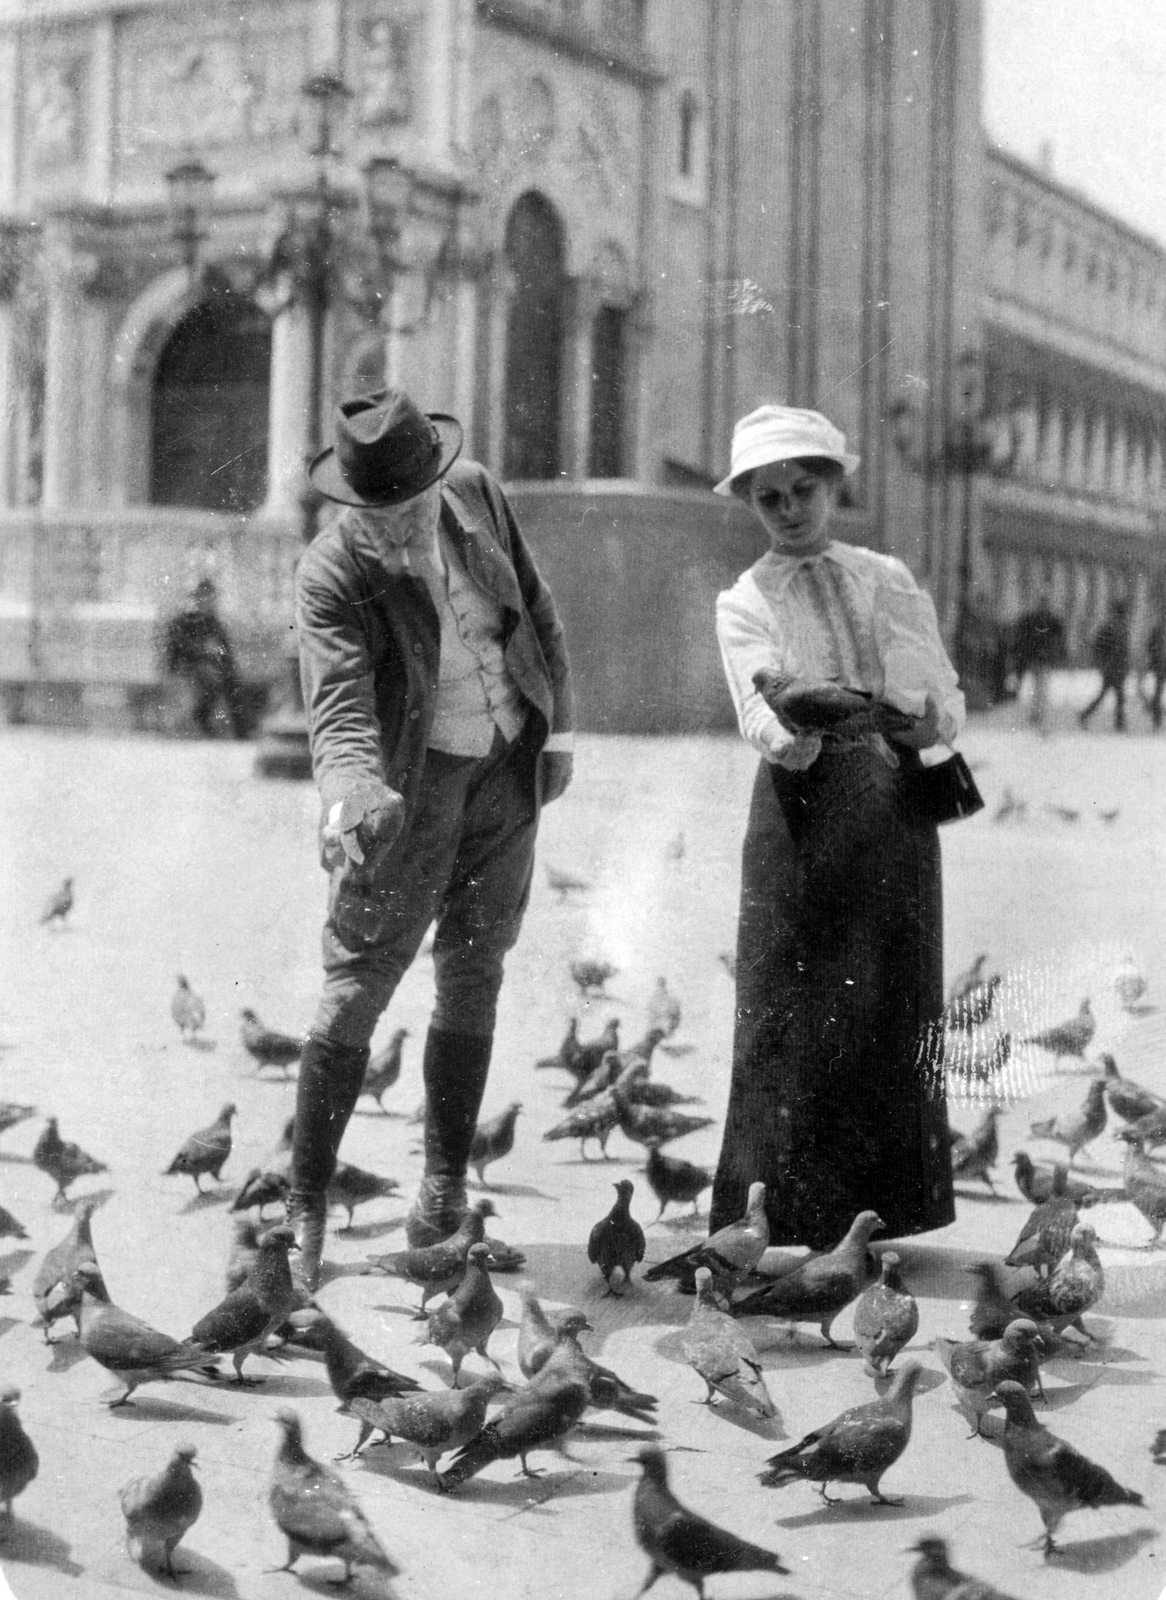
x: 1045, y: 1236
x: 131, y: 1349
x: 568, y: 1051
x: 1127, y: 1099
x: 56, y: 1287
x: 188, y: 1010
x: 58, y: 905
x: 62, y: 1160
x: 817, y: 1289
x: 266, y: 1046
x: 595, y: 1119
x: 315, y: 1511
x: 663, y: 1010
x: 1058, y: 1478
x: 160, y: 1510
x: 976, y: 1367
x: 493, y: 1139
x: 353, y: 1374
x: 976, y: 1155
x: 1068, y: 1038
x: 1144, y: 1182
x: 242, y: 1322
x: 438, y: 1268
x: 675, y: 1181
x: 467, y: 1319
x: 538, y: 1417
x: 206, y: 1150
x: 384, y: 1068
x: 934, y: 1578
x: 730, y: 1253
x: 1074, y: 1286
x: 617, y: 1242
x: 433, y: 1421
x: 677, y: 1540
x: 858, y: 1446
x: 722, y: 1353
x: 886, y: 1317
x: 1076, y: 1128
x: 18, y: 1457
x: 351, y: 1186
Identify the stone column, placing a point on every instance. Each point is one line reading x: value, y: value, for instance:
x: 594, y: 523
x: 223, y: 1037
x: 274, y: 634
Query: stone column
x: 1051, y: 463
x: 1154, y: 466
x: 1026, y: 419
x: 1135, y: 487
x: 10, y: 384
x: 288, y: 413
x: 1118, y: 464
x: 75, y: 338
x: 582, y: 301
x: 1074, y: 476
x: 1096, y: 464
x: 495, y: 291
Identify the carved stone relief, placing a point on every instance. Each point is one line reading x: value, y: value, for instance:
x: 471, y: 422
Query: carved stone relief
x: 54, y: 109
x: 385, y: 55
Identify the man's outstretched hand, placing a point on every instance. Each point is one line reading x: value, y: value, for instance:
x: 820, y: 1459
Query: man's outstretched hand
x: 363, y: 827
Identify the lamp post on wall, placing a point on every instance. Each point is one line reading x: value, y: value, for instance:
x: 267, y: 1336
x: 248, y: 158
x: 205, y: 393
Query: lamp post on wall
x: 971, y: 440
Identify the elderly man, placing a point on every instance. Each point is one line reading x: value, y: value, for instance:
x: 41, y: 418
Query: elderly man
x: 440, y: 706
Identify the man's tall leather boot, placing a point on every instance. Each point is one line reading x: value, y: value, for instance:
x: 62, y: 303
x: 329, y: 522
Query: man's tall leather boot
x: 454, y: 1068
x: 328, y: 1089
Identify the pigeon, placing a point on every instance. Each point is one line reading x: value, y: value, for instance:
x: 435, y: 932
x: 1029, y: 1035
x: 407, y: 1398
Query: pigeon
x: 1068, y: 1038
x: 18, y: 1457
x: 677, y: 846
x: 11, y: 1114
x: 590, y: 977
x: 62, y: 1160
x: 1158, y: 1448
x: 1012, y: 807
x: 974, y: 1007
x: 56, y: 1287
x: 188, y: 1010
x: 1074, y: 1286
x: 206, y: 1150
x: 1058, y: 1478
x: 1127, y: 1099
x: 433, y: 1421
x: 603, y: 1077
x: 438, y: 1268
x: 590, y: 1052
x: 1129, y: 983
x: 315, y: 1510
x: 649, y: 1125
x: 9, y: 1227
x: 1045, y: 1236
x: 730, y: 1254
x: 1066, y: 813
x: 817, y: 1289
x: 351, y: 1186
x: 538, y: 1333
x: 131, y: 1349
x: 976, y: 1367
x: 617, y: 1242
x: 567, y: 1052
x: 1151, y: 1128
x: 1076, y: 1128
x: 859, y: 1446
x: 992, y: 1310
x: 58, y: 905
x: 663, y: 1010
x: 242, y: 1322
x: 1109, y: 814
x: 721, y: 1352
x: 1036, y: 1183
x: 493, y: 1139
x: 160, y: 1510
x: 638, y: 1091
x: 355, y: 1375
x: 266, y: 1046
x: 970, y: 978
x: 976, y: 1059
x: 886, y: 1317
x: 384, y: 1069
x: 975, y: 1156
x: 595, y: 1119
x: 674, y: 1180
x: 934, y: 1578
x: 565, y: 883
x: 262, y: 1189
x: 244, y: 1252
x: 1144, y: 1183
x: 607, y: 1390
x: 468, y: 1318
x: 677, y: 1540
x: 538, y: 1417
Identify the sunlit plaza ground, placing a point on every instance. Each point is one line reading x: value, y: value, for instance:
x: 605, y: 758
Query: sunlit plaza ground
x: 185, y: 861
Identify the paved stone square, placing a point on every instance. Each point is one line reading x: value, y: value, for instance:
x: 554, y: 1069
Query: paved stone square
x: 184, y: 862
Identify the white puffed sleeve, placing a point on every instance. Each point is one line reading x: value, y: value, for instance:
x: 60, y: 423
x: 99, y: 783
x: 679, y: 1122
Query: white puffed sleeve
x: 749, y: 644
x: 915, y: 663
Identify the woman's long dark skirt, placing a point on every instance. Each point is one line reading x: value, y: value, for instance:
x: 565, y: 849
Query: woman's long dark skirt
x: 839, y: 969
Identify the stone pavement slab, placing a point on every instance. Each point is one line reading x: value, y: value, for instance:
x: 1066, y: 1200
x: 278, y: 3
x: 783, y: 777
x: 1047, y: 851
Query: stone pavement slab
x: 185, y: 862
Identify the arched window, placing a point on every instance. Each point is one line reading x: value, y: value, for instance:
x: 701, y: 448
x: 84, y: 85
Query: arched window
x: 535, y: 253
x: 209, y: 409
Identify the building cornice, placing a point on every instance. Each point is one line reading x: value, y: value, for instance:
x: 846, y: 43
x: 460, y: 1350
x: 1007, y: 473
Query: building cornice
x: 1049, y: 332
x: 572, y: 38
x: 1073, y: 198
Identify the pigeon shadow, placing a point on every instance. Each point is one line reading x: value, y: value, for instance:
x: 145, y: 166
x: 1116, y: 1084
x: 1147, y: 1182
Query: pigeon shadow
x: 1143, y: 1008
x: 18, y: 1160
x: 914, y: 1505
x: 362, y: 1582
x: 7, y: 1324
x: 38, y: 1547
x: 203, y: 1046
x: 526, y: 1190
x: 207, y: 1198
x: 767, y: 1428
x: 613, y: 1430
x: 199, y: 1575
x: 14, y: 1260
x: 372, y: 1230
x: 1105, y: 1554
x: 287, y: 1386
x: 683, y: 1223
x: 983, y: 1198
x: 66, y: 1354
x: 532, y: 1495
x: 675, y: 1050
x: 146, y: 1408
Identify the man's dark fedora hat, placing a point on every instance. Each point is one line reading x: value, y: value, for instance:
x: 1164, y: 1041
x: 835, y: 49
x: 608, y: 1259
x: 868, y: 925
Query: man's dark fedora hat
x: 386, y: 451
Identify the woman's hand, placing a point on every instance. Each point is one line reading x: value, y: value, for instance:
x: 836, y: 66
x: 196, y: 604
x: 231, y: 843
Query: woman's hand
x: 923, y: 731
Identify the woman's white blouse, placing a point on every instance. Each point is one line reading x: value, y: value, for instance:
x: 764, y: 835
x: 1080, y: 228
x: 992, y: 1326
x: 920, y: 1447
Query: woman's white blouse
x: 864, y: 622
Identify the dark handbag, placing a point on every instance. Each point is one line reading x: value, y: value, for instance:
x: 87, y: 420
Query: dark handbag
x: 942, y: 793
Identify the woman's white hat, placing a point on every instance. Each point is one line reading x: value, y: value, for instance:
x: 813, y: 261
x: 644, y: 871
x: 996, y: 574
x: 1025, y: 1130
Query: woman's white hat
x: 781, y: 433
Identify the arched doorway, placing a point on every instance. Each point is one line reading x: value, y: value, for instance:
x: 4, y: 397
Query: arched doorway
x: 208, y: 408
x: 535, y: 252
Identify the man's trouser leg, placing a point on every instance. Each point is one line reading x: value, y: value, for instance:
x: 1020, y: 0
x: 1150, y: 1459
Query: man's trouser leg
x: 327, y: 1090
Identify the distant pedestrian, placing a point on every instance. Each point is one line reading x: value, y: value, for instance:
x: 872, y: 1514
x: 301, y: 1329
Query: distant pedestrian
x: 1038, y: 647
x: 1156, y: 669
x: 196, y: 646
x: 1111, y: 657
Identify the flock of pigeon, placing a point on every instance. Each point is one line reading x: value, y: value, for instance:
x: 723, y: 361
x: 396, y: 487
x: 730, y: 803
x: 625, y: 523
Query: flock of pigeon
x: 1026, y: 1306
